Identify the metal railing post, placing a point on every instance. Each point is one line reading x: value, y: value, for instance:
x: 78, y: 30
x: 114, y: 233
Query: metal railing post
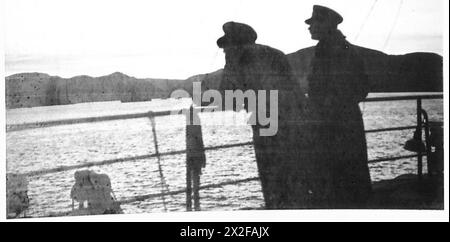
x: 188, y: 187
x: 188, y: 164
x: 426, y: 125
x: 419, y: 130
x: 164, y: 186
x: 195, y: 158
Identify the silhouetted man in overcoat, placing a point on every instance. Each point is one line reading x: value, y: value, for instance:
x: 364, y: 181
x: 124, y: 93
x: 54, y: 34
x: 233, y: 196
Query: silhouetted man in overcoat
x: 337, y: 84
x: 251, y: 66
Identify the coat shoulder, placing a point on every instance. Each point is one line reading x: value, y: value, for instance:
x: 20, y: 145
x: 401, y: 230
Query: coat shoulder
x: 267, y: 50
x: 276, y: 51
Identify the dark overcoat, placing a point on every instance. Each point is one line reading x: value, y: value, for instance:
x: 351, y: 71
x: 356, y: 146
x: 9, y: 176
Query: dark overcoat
x: 337, y: 84
x: 259, y: 67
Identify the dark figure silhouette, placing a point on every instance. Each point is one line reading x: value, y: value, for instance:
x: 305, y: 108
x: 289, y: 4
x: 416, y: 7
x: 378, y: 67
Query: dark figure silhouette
x: 339, y: 176
x: 251, y: 66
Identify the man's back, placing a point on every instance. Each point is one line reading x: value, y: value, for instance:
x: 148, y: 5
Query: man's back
x: 260, y: 67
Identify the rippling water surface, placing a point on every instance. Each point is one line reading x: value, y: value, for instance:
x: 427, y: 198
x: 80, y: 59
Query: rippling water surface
x: 51, y: 147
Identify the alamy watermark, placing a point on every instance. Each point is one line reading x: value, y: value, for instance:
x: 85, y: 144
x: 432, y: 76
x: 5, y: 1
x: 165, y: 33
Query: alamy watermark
x: 255, y: 102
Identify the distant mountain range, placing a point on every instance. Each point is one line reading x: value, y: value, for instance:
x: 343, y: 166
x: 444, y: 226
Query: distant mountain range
x: 39, y: 89
x: 414, y: 72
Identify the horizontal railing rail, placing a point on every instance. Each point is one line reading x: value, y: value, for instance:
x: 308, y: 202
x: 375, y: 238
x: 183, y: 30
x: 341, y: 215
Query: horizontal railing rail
x: 139, y: 198
x: 170, y: 153
x: 126, y: 159
x: 404, y: 98
x: 34, y: 125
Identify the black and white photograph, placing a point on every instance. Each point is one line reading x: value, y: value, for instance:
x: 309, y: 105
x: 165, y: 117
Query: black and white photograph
x: 115, y: 108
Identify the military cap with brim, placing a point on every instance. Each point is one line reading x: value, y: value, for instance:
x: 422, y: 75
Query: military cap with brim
x: 236, y: 34
x: 324, y: 14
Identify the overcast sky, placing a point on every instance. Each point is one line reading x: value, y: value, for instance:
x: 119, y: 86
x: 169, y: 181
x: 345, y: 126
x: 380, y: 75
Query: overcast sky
x: 177, y: 38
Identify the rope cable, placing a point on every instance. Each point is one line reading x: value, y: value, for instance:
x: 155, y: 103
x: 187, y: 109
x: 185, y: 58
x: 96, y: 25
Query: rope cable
x: 366, y: 19
x: 393, y: 26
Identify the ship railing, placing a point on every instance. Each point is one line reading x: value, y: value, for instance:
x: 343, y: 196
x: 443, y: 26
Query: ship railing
x: 188, y: 190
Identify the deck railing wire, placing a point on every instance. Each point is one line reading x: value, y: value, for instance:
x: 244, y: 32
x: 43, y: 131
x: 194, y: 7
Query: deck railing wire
x: 19, y: 127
